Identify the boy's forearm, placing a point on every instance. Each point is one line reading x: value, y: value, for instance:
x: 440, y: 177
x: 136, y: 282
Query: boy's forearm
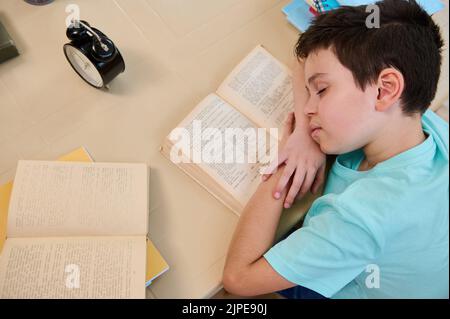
x: 257, y: 225
x: 255, y: 231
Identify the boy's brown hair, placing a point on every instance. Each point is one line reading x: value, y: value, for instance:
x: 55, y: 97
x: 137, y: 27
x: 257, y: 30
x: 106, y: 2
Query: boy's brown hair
x: 407, y: 39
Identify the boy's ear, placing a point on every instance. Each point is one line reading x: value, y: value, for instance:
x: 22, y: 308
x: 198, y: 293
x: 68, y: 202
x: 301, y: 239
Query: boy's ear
x: 390, y: 88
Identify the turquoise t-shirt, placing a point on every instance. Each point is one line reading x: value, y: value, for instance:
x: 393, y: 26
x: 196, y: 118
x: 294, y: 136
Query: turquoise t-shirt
x: 381, y: 233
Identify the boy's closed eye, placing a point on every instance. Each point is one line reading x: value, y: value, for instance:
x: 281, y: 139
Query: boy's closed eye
x: 321, y: 91
x: 318, y: 92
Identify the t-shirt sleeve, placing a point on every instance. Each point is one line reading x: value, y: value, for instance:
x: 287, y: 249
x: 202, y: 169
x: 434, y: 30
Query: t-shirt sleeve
x: 330, y: 251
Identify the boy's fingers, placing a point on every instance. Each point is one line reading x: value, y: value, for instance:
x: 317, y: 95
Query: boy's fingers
x: 289, y: 124
x: 273, y: 166
x: 320, y: 177
x: 289, y: 120
x: 295, y: 187
x: 309, y: 179
x: 284, y: 180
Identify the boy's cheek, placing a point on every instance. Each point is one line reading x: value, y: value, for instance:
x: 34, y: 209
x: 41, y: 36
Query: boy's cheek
x: 346, y: 125
x: 337, y: 140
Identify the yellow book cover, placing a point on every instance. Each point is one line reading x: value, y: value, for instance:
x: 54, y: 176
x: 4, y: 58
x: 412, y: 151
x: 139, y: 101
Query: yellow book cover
x: 156, y: 265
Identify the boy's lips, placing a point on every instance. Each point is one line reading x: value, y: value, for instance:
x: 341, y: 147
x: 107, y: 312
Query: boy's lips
x: 315, y: 128
x: 315, y: 133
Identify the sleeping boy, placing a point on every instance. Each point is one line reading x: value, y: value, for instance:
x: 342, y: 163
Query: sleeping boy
x: 380, y: 229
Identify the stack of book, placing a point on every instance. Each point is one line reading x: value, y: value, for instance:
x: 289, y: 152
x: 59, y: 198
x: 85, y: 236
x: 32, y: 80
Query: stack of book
x: 73, y: 228
x: 300, y: 13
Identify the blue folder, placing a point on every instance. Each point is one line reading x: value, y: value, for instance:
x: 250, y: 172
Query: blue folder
x: 298, y: 14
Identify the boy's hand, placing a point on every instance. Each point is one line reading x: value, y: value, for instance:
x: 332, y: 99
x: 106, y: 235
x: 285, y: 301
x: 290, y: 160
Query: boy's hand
x: 304, y: 161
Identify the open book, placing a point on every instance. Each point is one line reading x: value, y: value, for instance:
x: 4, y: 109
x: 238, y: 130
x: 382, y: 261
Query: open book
x: 256, y: 94
x: 156, y: 264
x: 76, y: 230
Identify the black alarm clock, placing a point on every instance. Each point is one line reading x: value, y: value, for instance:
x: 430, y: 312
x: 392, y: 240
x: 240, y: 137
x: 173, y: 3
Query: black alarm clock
x: 92, y: 55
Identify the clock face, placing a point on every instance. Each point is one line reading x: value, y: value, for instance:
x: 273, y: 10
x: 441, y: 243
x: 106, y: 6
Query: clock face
x: 83, y: 66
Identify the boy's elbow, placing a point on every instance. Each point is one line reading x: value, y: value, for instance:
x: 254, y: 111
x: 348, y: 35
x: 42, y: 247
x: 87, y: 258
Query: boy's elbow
x: 233, y: 283
x: 230, y: 281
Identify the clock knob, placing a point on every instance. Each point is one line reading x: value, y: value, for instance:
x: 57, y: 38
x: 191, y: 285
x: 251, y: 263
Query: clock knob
x: 77, y: 33
x: 103, y: 49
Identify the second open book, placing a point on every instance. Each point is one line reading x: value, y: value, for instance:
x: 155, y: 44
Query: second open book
x: 76, y: 230
x: 256, y: 94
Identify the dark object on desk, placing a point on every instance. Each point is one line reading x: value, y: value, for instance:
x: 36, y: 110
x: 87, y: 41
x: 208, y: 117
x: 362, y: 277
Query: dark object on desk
x: 39, y: 2
x: 8, y: 49
x: 92, y: 54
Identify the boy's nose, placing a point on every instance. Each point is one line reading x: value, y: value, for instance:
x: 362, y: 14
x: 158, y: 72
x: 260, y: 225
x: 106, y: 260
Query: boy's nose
x: 310, y: 107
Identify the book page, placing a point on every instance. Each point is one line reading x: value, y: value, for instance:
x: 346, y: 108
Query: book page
x: 81, y: 267
x: 261, y: 88
x: 205, y: 180
x: 52, y: 199
x: 224, y: 152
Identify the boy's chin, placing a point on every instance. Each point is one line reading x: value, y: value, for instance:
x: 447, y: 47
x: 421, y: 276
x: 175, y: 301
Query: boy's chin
x: 329, y: 149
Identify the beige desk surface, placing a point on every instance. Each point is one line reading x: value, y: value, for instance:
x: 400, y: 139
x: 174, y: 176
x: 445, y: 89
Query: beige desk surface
x: 176, y: 53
